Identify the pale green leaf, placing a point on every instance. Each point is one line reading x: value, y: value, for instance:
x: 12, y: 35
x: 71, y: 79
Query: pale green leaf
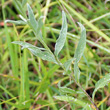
x: 40, y: 24
x: 79, y: 51
x: 72, y: 99
x: 76, y: 72
x: 62, y: 37
x: 39, y: 52
x: 101, y: 83
x: 19, y: 22
x: 81, y: 45
x: 32, y: 20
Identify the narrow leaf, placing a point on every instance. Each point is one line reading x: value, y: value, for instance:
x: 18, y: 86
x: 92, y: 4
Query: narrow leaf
x: 81, y: 45
x: 19, y: 22
x: 70, y: 99
x: 32, y: 20
x: 40, y: 24
x: 62, y: 37
x: 39, y: 52
x: 101, y: 83
x: 79, y: 51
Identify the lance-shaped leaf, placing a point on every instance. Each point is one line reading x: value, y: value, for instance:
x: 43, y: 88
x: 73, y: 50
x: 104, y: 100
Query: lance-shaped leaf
x: 36, y: 26
x: 39, y: 52
x: 81, y: 44
x: 32, y: 20
x: 18, y: 22
x: 74, y: 100
x: 79, y: 51
x: 62, y: 37
x: 101, y: 83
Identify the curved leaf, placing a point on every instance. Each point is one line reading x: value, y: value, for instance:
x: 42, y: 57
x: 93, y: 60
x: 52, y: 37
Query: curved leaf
x: 101, y: 83
x: 70, y: 99
x: 62, y: 37
x: 32, y: 20
x: 16, y: 22
x: 39, y: 52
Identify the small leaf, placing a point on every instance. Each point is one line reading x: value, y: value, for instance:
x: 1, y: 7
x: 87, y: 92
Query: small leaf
x: 101, y: 83
x: 70, y: 99
x: 79, y: 51
x: 62, y: 37
x: 39, y: 52
x: 32, y: 20
x: 16, y: 22
x: 67, y: 64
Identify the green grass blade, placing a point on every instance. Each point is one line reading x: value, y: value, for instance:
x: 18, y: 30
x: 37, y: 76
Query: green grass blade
x: 86, y: 21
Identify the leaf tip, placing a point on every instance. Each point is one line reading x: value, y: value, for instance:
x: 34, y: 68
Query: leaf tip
x: 81, y: 26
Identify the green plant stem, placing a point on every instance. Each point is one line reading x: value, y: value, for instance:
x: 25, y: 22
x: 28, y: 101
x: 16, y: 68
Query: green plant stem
x: 85, y: 93
x: 78, y: 84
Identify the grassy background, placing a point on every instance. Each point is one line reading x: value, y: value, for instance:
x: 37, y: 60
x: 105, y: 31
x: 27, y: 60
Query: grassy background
x: 26, y: 81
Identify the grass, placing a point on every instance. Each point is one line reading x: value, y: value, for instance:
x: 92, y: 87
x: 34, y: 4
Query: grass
x: 30, y: 83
